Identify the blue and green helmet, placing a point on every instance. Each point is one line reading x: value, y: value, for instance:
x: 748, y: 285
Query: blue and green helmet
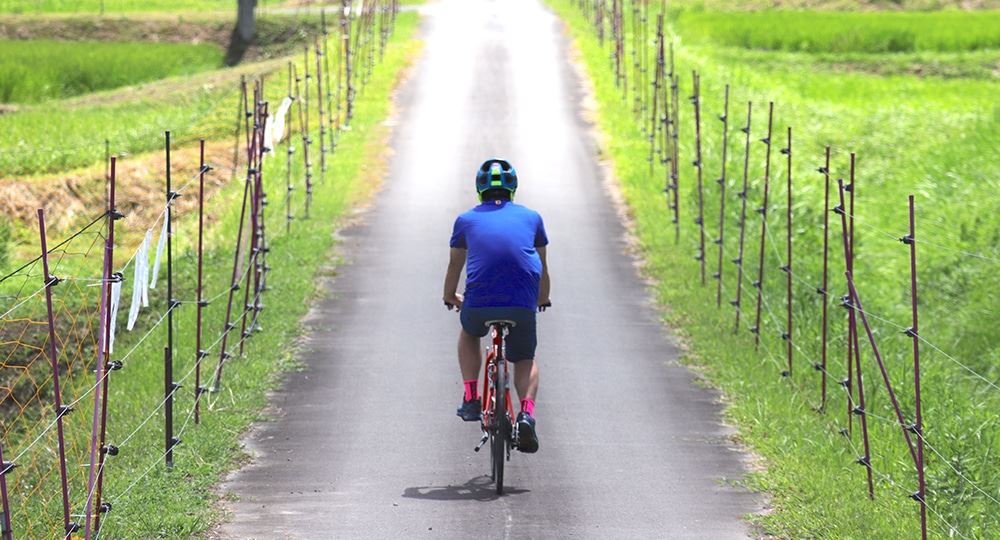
x: 496, y: 174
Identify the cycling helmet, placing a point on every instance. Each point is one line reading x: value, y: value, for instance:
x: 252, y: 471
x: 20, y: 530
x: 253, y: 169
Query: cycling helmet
x: 496, y: 174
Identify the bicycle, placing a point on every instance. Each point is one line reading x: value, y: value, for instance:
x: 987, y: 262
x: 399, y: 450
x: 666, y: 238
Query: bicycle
x: 498, y: 429
x: 497, y: 423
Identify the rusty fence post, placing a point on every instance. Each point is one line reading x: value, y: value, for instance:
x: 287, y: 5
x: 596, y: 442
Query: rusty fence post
x: 759, y: 283
x: 738, y: 261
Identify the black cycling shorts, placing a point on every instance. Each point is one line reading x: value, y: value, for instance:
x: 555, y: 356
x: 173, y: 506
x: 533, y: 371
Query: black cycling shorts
x: 521, y: 340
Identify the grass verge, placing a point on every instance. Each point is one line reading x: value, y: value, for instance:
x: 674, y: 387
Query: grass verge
x: 926, y: 136
x: 147, y: 500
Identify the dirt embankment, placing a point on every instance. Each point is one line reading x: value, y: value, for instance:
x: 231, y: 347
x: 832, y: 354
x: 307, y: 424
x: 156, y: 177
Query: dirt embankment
x: 74, y: 198
x: 277, y: 35
x: 88, y: 28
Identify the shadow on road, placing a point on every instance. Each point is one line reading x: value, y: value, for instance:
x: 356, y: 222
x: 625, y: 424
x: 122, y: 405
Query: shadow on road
x: 480, y: 488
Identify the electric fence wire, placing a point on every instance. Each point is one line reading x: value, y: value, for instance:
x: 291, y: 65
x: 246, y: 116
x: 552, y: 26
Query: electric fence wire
x: 783, y: 263
x: 152, y: 465
x: 895, y: 423
x: 226, y: 332
x: 107, y: 374
x: 90, y: 493
x: 920, y: 241
x: 887, y: 321
x: 769, y: 354
x: 938, y: 302
x: 56, y: 247
x: 918, y: 434
x: 931, y: 345
x: 887, y: 479
x: 22, y: 302
x: 169, y: 204
x: 75, y: 235
x: 121, y: 496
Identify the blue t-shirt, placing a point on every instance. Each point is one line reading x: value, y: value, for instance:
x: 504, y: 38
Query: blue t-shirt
x: 502, y: 266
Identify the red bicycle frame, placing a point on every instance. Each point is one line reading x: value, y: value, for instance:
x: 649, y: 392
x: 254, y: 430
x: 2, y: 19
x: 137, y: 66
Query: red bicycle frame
x: 490, y: 374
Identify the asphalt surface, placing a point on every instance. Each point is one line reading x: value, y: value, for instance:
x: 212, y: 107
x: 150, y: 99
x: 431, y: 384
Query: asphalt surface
x: 366, y: 443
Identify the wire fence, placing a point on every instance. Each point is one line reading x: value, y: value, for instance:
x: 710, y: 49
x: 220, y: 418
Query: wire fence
x: 790, y: 311
x: 79, y: 328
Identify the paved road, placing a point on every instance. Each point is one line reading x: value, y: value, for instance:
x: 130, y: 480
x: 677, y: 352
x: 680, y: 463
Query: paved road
x: 367, y: 445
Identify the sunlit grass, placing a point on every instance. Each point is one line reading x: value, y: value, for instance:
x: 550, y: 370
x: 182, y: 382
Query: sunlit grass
x: 38, y: 70
x: 111, y: 6
x: 62, y: 135
x: 839, y: 32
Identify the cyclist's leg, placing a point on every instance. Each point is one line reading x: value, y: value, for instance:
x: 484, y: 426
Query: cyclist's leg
x: 521, y: 352
x: 469, y: 360
x: 521, y: 344
x: 470, y: 356
x: 470, y: 353
x: 526, y: 380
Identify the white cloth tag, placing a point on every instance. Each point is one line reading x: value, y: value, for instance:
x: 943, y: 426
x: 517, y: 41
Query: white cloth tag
x: 116, y: 295
x: 159, y: 252
x: 140, y: 281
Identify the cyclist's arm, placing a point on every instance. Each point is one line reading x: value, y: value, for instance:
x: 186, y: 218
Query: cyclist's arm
x: 543, y: 286
x: 456, y: 262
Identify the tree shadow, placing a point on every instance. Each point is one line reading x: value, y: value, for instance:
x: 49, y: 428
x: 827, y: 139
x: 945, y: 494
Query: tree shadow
x: 480, y: 488
x: 237, y: 48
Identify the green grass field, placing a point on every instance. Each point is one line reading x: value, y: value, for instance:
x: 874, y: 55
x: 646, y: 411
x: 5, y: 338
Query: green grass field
x: 181, y: 503
x: 834, y: 5
x: 31, y: 144
x: 931, y: 136
x: 38, y: 70
x: 839, y: 32
x: 133, y: 121
x: 112, y: 6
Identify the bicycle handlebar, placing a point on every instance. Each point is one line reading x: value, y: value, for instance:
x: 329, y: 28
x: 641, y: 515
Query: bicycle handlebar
x: 541, y: 307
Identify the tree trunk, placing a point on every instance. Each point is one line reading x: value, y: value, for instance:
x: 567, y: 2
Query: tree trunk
x: 246, y: 24
x: 243, y: 33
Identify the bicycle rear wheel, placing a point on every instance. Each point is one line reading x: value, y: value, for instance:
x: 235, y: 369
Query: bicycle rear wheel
x: 500, y: 424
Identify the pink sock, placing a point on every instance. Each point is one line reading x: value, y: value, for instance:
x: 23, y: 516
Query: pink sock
x: 528, y: 406
x: 471, y: 392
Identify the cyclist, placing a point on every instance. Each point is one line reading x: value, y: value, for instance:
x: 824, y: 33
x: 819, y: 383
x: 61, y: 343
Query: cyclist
x: 502, y: 246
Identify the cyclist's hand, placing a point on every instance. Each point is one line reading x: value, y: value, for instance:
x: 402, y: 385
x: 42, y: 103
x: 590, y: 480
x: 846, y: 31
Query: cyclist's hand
x: 544, y: 304
x: 453, y: 302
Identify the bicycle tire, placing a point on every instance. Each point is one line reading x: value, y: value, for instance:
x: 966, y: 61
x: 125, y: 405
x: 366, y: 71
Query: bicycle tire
x: 493, y: 461
x: 500, y: 422
x: 489, y: 420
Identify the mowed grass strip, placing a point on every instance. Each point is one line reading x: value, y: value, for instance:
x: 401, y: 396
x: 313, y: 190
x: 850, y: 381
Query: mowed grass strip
x: 181, y: 503
x: 111, y: 6
x: 841, y: 32
x: 38, y: 70
x: 930, y: 137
